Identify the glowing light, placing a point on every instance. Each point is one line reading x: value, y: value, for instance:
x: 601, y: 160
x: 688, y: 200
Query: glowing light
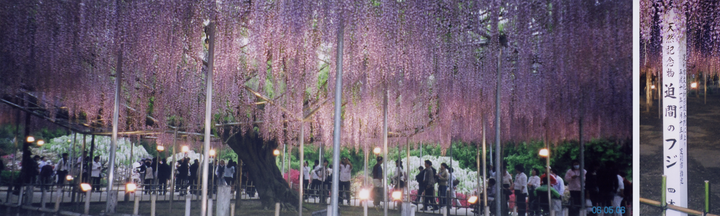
x: 397, y: 195
x: 376, y: 150
x: 364, y: 194
x: 161, y: 148
x: 544, y: 152
x: 212, y: 152
x: 185, y: 149
x: 69, y: 178
x: 85, y: 187
x: 69, y: 141
x: 130, y: 187
x: 652, y: 87
x: 276, y: 152
x: 473, y: 199
x: 693, y: 85
x: 30, y: 139
x: 40, y: 142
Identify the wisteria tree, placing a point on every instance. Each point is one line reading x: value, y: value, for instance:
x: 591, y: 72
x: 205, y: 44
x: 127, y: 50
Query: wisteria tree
x: 561, y: 63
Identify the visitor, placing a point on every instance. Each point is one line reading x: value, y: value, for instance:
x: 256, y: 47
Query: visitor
x: 574, y: 186
x: 399, y: 179
x: 430, y: 180
x: 62, y: 168
x: 46, y: 172
x: 541, y: 194
x: 345, y: 174
x: 377, y: 174
x: 420, y: 178
x: 95, y: 175
x: 306, y: 179
x: 455, y: 183
x: 627, y: 196
x: 490, y: 197
x: 323, y: 178
x: 193, y: 178
x: 164, y: 173
x: 533, y: 183
x: 37, y: 178
x: 591, y: 185
x: 443, y: 177
x: 491, y: 172
x: 220, y: 173
x: 559, y: 186
x: 327, y: 184
x: 608, y: 184
x: 316, y: 182
x: 183, y: 173
x: 228, y: 174
x: 149, y: 177
x: 619, y: 193
x: 399, y: 176
x: 521, y: 189
x: 507, y: 181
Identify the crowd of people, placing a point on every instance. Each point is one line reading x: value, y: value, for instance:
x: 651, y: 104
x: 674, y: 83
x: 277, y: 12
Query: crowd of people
x: 604, y: 187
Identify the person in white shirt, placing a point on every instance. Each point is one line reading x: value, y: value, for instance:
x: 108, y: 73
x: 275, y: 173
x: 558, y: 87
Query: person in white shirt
x: 560, y: 187
x: 95, y: 174
x: 62, y: 168
x: 533, y: 183
x: 306, y: 179
x: 229, y: 172
x: 316, y: 183
x: 43, y: 162
x: 345, y: 174
x: 617, y: 199
x: 520, y: 188
x: 321, y: 172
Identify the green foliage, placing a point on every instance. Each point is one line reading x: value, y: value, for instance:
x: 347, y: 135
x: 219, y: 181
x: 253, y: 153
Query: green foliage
x: 7, y: 176
x: 8, y: 132
x: 562, y: 155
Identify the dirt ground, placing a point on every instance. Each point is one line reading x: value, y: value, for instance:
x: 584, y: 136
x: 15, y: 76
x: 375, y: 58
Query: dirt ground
x: 703, y: 152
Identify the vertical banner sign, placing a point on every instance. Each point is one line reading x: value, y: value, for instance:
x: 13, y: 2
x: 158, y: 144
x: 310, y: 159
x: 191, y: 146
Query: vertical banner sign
x: 674, y: 109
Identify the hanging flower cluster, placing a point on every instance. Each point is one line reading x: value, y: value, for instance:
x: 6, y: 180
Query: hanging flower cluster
x: 274, y: 64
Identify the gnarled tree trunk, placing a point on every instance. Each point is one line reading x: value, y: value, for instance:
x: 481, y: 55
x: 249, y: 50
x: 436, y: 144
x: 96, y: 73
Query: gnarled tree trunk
x: 258, y: 155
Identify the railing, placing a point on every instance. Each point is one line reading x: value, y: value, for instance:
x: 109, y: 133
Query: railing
x: 664, y: 206
x: 73, y: 199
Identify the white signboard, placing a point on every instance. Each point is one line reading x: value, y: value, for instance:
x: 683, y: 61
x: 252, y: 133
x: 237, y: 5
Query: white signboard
x: 674, y: 109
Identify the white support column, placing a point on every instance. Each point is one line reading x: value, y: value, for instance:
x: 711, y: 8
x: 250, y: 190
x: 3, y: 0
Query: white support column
x: 338, y: 121
x: 208, y: 110
x: 674, y: 110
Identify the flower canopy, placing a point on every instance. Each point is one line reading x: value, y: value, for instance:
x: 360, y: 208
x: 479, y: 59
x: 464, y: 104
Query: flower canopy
x: 274, y: 64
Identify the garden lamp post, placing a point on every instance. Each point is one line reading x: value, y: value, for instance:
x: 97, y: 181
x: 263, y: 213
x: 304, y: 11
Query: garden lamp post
x: 546, y: 154
x: 364, y: 196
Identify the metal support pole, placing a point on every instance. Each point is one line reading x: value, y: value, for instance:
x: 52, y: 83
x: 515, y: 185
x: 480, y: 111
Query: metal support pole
x: 448, y: 196
x: 498, y: 164
x: 407, y: 170
x: 153, y: 201
x: 14, y: 160
x: 484, y: 166
x: 87, y: 202
x: 582, y: 167
x: 109, y: 205
x: 302, y: 167
x: 188, y: 205
x: 385, y: 151
x: 338, y: 121
x: 136, y: 204
x: 549, y: 189
x: 172, y: 171
x: 208, y: 108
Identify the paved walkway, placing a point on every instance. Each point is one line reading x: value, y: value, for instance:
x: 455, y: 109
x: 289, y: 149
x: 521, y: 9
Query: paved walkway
x: 50, y: 197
